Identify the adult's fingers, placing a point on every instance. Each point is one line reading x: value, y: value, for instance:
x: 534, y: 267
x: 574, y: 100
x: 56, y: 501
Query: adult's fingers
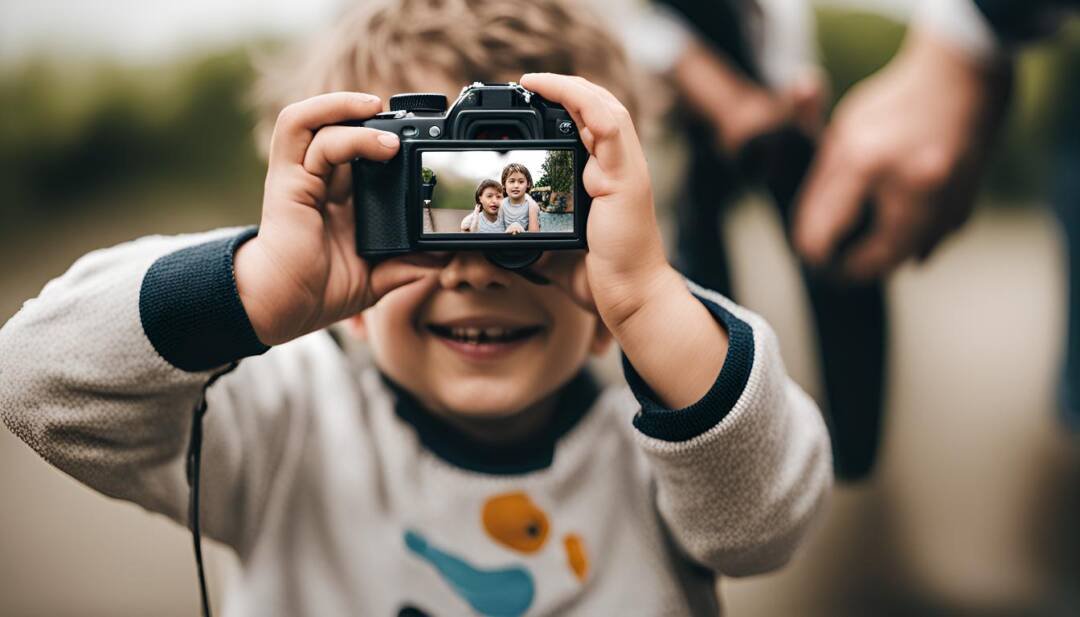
x: 337, y: 145
x: 829, y: 202
x: 297, y: 123
x: 899, y: 227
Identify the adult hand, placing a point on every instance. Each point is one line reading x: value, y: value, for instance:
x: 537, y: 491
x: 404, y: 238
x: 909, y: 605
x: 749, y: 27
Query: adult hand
x: 737, y: 108
x: 913, y: 140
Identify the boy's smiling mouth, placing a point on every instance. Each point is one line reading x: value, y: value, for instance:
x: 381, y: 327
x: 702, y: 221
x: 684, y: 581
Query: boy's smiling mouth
x: 478, y: 340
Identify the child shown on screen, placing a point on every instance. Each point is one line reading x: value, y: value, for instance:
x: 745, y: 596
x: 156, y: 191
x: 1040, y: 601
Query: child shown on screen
x: 519, y: 211
x: 486, y: 216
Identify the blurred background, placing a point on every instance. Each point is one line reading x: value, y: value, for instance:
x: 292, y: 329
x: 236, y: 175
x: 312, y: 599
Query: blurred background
x: 124, y: 118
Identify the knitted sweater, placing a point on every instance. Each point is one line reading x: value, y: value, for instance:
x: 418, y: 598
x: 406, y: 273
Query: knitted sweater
x: 341, y: 496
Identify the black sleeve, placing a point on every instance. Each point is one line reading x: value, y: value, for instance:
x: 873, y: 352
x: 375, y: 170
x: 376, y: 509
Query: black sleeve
x: 660, y: 422
x: 190, y: 308
x: 718, y: 24
x: 1023, y: 20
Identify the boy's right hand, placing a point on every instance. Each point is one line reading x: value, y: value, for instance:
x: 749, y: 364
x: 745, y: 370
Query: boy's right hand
x: 302, y: 273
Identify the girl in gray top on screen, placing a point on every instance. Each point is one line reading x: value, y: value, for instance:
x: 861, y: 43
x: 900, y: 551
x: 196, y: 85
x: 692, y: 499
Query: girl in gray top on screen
x: 519, y: 211
x: 486, y: 216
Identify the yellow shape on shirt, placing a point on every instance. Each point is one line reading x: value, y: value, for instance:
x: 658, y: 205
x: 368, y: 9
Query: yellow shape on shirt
x: 514, y: 521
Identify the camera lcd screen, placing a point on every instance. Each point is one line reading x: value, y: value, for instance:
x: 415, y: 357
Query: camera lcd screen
x: 497, y: 193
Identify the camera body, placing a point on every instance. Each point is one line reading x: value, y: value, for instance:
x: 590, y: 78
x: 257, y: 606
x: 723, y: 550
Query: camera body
x: 417, y: 200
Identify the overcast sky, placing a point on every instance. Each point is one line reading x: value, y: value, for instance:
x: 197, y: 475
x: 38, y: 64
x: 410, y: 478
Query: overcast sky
x: 148, y: 30
x: 477, y: 165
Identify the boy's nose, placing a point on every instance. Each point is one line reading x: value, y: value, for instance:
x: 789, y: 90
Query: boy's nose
x: 472, y: 269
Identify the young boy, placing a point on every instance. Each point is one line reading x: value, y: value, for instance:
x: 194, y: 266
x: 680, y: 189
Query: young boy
x: 519, y: 211
x: 486, y: 218
x: 470, y: 465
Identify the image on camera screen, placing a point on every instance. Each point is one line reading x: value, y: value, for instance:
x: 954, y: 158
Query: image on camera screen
x: 497, y: 191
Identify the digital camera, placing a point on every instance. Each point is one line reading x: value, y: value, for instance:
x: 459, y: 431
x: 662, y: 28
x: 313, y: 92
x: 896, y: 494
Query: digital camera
x: 499, y: 171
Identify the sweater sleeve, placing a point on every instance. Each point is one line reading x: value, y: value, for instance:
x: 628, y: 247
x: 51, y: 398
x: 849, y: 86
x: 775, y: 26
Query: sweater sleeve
x: 741, y: 473
x: 101, y: 373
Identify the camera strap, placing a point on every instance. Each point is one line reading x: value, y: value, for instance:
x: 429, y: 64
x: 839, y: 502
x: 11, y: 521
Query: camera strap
x: 194, y: 458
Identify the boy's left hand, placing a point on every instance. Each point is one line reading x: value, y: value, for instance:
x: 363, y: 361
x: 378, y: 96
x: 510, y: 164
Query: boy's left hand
x: 626, y: 257
x: 625, y: 275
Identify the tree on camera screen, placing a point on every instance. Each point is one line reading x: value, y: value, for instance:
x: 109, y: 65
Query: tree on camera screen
x: 497, y: 191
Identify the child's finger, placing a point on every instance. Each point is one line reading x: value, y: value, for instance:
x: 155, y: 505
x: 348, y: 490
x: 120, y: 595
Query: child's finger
x: 337, y: 145
x: 419, y: 277
x: 566, y: 270
x: 582, y: 101
x: 576, y: 95
x: 297, y: 123
x: 339, y: 185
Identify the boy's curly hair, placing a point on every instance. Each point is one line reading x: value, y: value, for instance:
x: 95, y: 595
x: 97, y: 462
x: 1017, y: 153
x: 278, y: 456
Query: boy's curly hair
x: 390, y: 46
x: 486, y: 184
x: 517, y: 167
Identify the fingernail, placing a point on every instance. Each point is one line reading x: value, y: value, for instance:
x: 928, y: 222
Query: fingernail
x: 364, y: 97
x: 389, y: 140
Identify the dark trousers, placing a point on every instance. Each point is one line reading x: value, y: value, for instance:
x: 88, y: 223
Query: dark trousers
x: 850, y: 319
x: 1067, y: 205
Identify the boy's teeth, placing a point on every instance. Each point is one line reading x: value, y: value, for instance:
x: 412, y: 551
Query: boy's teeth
x: 476, y: 335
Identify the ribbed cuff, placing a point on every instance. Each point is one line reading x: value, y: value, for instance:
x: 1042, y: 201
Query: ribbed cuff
x: 660, y: 422
x: 190, y: 308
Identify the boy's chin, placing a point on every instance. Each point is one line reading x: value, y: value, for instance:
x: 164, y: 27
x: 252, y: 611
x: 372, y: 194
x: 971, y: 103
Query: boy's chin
x: 486, y: 407
x: 487, y: 400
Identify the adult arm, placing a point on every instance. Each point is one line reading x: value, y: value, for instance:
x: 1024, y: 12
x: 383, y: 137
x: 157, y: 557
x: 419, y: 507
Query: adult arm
x: 913, y: 139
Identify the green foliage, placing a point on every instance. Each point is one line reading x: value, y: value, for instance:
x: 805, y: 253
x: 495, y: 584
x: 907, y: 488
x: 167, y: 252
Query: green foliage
x: 453, y: 191
x: 71, y: 132
x: 427, y: 174
x: 854, y: 45
x: 557, y: 171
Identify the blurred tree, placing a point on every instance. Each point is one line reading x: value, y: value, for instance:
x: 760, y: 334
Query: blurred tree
x: 557, y: 170
x: 74, y: 132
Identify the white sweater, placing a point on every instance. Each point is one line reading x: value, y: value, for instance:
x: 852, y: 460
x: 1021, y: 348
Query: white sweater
x: 323, y: 481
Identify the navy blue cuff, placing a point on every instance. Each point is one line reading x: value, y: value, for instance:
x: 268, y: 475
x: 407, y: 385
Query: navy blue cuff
x: 190, y: 308
x: 659, y: 422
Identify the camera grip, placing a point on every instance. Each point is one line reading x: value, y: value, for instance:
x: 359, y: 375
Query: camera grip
x: 380, y: 193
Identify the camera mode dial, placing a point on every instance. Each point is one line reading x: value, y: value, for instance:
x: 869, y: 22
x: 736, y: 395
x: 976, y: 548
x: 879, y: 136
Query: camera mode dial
x: 419, y: 102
